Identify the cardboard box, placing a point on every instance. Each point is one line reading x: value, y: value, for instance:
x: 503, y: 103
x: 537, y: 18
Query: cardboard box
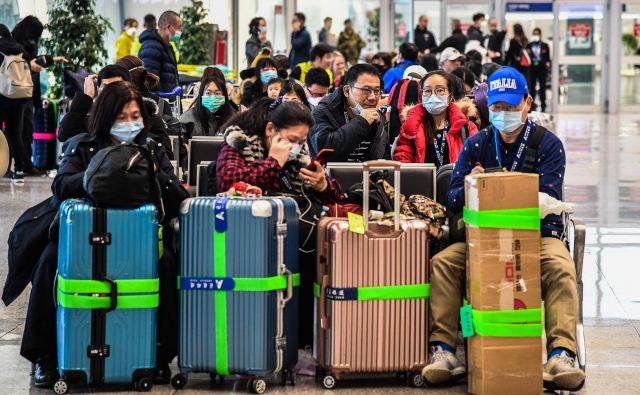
x: 503, y: 273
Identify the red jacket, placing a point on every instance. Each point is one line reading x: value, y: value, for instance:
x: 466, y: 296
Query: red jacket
x: 412, y: 142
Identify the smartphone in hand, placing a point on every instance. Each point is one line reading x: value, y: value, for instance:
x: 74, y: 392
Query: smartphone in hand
x: 321, y: 158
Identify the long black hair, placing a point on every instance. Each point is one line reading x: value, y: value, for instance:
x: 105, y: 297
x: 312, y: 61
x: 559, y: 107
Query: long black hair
x: 283, y: 115
x: 109, y: 104
x: 202, y: 114
x: 455, y: 86
x: 140, y: 76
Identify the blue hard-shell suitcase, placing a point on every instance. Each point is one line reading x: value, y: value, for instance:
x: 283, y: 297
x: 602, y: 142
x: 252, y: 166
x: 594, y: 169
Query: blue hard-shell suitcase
x: 107, y: 295
x: 238, y: 289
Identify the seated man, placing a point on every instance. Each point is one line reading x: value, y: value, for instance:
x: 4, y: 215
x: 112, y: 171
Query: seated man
x: 321, y: 56
x: 347, y: 120
x: 407, y: 56
x: 316, y: 86
x: 509, y: 102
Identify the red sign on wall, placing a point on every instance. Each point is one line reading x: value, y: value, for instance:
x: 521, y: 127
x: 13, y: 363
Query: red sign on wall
x: 580, y: 30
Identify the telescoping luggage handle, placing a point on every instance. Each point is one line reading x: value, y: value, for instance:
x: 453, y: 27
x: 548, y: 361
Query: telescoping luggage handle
x: 380, y: 165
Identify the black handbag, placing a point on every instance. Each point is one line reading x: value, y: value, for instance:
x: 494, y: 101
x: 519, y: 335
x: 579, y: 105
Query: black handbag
x: 123, y: 176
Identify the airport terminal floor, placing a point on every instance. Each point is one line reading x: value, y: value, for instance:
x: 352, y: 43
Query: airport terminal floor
x: 603, y: 184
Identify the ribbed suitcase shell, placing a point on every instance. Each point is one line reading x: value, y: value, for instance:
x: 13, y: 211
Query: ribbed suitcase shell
x: 251, y: 246
x: 132, y: 254
x: 372, y: 336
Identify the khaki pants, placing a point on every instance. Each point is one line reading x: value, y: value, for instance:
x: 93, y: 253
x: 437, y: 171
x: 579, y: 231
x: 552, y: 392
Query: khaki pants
x: 559, y: 292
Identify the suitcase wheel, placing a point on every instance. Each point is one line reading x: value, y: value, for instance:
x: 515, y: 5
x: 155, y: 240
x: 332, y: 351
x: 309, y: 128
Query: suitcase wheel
x: 143, y: 384
x: 257, y: 386
x: 415, y: 379
x: 178, y: 381
x: 329, y: 382
x: 61, y: 387
x: 216, y: 378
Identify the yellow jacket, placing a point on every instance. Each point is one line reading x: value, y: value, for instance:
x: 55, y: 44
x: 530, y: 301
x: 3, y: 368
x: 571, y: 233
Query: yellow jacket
x: 306, y: 66
x: 125, y: 45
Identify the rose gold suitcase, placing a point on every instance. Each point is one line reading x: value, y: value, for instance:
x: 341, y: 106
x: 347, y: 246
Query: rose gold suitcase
x: 372, y: 295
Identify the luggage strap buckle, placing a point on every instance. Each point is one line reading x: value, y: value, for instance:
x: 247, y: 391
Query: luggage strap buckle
x: 113, y: 295
x: 281, y: 343
x: 100, y: 238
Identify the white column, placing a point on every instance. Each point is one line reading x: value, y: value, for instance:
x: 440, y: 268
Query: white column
x: 612, y: 55
x: 386, y: 25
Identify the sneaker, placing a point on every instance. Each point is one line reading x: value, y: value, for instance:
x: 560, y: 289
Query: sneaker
x: 561, y: 373
x: 17, y: 178
x: 443, y: 366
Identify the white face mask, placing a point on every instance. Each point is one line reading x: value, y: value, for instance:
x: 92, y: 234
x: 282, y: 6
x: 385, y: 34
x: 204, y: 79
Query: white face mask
x: 131, y: 31
x: 314, y: 101
x: 506, y: 121
x: 535, y: 38
x: 295, y: 150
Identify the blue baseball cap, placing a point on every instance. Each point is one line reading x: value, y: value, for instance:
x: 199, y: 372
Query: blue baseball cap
x: 506, y: 85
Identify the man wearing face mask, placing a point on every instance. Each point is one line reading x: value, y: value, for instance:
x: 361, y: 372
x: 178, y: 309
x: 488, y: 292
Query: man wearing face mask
x: 503, y: 145
x: 316, y: 86
x: 474, y: 32
x: 347, y: 120
x: 157, y: 53
x: 127, y: 40
x: 540, y: 63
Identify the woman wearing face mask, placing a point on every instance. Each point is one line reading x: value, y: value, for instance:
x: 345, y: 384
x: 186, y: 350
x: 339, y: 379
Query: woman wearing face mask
x: 265, y: 71
x: 119, y: 116
x: 127, y: 40
x: 433, y: 131
x: 267, y: 147
x: 209, y: 111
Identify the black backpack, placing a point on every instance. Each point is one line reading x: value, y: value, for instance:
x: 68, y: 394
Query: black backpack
x: 124, y: 176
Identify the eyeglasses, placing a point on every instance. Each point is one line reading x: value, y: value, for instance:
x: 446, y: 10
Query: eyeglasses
x: 315, y: 95
x: 368, y: 91
x: 439, y: 91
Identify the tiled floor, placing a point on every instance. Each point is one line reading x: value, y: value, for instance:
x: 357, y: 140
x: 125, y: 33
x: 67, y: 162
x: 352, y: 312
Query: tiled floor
x: 603, y: 183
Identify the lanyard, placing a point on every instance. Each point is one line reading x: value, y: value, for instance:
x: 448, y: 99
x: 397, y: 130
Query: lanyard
x: 521, y: 148
x: 440, y: 149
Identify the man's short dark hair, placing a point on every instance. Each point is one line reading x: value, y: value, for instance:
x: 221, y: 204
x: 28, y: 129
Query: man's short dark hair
x: 112, y: 71
x: 327, y: 19
x: 357, y: 70
x: 317, y: 76
x: 409, y: 51
x: 319, y: 50
x: 167, y: 18
x: 149, y: 21
x: 478, y: 16
x: 347, y: 21
x: 300, y: 16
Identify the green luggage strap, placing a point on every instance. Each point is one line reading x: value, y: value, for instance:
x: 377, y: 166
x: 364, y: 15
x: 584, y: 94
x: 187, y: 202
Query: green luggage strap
x: 95, y: 294
x: 518, y: 218
x: 237, y: 284
x: 501, y: 323
x: 385, y: 292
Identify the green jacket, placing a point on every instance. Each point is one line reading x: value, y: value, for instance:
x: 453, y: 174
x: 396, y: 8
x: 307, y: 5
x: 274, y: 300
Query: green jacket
x: 350, y: 44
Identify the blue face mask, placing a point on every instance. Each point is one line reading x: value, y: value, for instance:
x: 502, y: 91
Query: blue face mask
x: 127, y: 131
x: 176, y: 36
x: 212, y: 103
x: 506, y: 121
x: 267, y: 75
x: 435, y: 104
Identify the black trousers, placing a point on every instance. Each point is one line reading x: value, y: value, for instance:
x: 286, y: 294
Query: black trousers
x: 11, y: 115
x: 538, y: 74
x: 39, y: 337
x: 28, y: 127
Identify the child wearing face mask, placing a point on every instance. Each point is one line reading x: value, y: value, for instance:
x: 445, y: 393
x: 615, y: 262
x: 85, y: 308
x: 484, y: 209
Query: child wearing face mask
x: 265, y: 71
x: 434, y: 132
x: 209, y: 111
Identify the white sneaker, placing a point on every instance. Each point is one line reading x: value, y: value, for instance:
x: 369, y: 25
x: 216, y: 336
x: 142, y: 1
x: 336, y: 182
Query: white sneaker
x: 561, y: 373
x: 443, y: 366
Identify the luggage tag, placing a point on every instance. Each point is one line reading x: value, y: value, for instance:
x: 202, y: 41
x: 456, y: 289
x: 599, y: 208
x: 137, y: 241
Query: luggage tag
x: 356, y: 223
x: 466, y: 320
x: 220, y: 211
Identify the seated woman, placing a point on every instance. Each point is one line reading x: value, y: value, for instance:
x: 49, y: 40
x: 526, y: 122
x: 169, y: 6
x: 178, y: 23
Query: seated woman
x: 265, y: 70
x: 118, y: 116
x: 434, y: 132
x: 210, y: 110
x: 266, y: 147
x: 292, y: 91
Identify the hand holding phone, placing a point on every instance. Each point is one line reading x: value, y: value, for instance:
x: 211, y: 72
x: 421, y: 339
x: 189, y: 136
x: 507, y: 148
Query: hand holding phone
x: 320, y: 158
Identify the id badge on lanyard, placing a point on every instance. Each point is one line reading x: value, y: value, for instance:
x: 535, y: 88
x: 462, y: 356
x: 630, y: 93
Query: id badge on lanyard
x: 521, y: 148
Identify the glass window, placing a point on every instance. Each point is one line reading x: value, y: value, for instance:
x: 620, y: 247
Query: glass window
x: 630, y: 67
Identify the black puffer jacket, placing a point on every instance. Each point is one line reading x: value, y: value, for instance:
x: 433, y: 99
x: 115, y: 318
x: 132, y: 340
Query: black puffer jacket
x: 76, y: 155
x: 333, y: 131
x: 158, y: 58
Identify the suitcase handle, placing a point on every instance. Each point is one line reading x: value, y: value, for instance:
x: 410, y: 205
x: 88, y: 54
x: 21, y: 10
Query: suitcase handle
x: 324, y: 321
x: 381, y: 164
x: 113, y: 296
x: 289, y: 286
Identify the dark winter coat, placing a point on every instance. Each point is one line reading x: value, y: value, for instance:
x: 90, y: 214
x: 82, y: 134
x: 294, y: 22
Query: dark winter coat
x: 333, y: 131
x: 300, y: 47
x: 424, y: 39
x: 158, y: 58
x: 457, y: 40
